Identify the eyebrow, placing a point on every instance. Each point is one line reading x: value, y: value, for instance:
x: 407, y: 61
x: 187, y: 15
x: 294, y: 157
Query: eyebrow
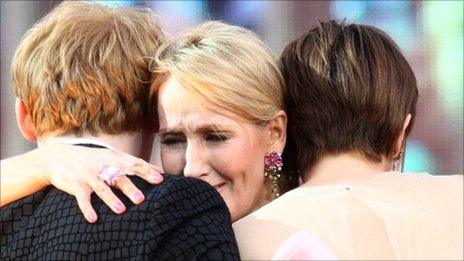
x: 200, y: 128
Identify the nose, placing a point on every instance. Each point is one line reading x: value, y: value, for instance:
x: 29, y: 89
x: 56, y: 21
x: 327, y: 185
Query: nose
x: 195, y: 161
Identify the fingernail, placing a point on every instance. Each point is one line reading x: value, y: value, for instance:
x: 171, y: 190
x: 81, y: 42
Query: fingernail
x: 120, y: 207
x: 139, y: 197
x: 91, y: 216
x: 157, y: 177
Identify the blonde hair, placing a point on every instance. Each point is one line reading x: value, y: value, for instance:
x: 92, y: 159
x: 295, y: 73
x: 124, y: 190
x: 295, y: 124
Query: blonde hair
x: 223, y: 67
x: 83, y: 67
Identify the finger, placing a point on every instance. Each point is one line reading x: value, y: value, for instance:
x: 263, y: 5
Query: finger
x: 132, y: 160
x: 157, y: 168
x: 104, y: 192
x: 130, y: 190
x: 83, y: 201
x: 138, y: 167
x: 144, y: 171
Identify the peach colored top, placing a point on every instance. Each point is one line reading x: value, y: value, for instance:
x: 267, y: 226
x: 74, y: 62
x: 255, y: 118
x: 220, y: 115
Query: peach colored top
x: 391, y: 216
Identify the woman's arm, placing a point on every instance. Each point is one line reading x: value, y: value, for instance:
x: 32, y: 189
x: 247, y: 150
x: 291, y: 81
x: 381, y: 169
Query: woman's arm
x: 74, y: 169
x: 21, y: 176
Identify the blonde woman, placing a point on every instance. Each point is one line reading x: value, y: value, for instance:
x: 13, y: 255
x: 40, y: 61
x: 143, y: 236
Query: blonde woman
x: 220, y: 107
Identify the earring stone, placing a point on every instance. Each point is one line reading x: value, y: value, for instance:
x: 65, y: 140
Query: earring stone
x: 272, y: 169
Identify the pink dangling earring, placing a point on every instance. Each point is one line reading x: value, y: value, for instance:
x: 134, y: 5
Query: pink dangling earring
x: 272, y: 169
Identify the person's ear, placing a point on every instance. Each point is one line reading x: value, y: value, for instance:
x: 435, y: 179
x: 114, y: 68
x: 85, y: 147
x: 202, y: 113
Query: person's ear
x: 400, y: 140
x: 276, y: 128
x: 24, y: 121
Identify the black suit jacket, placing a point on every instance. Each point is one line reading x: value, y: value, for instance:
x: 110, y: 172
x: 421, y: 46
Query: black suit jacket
x: 181, y: 219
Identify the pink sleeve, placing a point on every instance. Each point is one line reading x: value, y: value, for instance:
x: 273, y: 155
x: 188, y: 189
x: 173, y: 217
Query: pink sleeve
x: 304, y: 246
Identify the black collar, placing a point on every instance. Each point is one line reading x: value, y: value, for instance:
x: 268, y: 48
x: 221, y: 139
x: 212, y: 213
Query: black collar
x: 90, y: 145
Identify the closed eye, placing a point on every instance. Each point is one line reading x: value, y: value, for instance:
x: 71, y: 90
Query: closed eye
x: 172, y: 140
x: 216, y: 137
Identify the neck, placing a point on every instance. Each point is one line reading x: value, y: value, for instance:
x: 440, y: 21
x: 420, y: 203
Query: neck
x: 130, y: 143
x: 344, y: 168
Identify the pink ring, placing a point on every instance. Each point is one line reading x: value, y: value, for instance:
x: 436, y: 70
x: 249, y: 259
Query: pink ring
x: 110, y: 174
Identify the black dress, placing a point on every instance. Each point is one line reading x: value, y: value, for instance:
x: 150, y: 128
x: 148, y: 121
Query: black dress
x: 180, y: 219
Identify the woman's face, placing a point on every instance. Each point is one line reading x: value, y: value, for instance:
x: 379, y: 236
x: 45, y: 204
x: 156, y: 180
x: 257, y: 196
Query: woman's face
x: 221, y: 150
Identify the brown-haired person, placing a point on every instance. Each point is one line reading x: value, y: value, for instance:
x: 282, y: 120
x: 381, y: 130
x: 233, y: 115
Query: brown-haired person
x: 81, y: 76
x: 351, y: 103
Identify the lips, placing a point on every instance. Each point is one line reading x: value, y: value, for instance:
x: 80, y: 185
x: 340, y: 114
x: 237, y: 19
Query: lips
x: 219, y: 186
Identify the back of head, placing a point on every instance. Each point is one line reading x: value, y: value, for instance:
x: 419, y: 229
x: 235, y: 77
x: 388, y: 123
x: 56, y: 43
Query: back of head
x: 84, y: 68
x: 349, y: 89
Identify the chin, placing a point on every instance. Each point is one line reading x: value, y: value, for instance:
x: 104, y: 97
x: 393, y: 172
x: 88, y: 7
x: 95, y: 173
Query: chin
x: 230, y: 206
x: 235, y: 216
x: 238, y: 208
x: 236, y: 213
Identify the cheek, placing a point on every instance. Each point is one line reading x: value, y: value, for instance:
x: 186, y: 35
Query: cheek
x: 233, y: 161
x: 244, y: 167
x: 247, y: 184
x: 173, y: 161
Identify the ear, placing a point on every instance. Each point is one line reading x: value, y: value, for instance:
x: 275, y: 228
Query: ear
x: 24, y: 121
x: 276, y: 129
x: 400, y: 140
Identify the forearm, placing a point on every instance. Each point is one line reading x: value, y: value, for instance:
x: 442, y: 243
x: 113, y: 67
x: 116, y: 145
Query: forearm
x: 21, y: 176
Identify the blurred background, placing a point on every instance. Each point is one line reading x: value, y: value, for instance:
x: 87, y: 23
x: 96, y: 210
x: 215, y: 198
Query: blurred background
x: 430, y: 34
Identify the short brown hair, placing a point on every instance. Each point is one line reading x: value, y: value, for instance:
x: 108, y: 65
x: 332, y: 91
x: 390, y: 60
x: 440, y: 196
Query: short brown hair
x: 84, y: 67
x: 349, y: 89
